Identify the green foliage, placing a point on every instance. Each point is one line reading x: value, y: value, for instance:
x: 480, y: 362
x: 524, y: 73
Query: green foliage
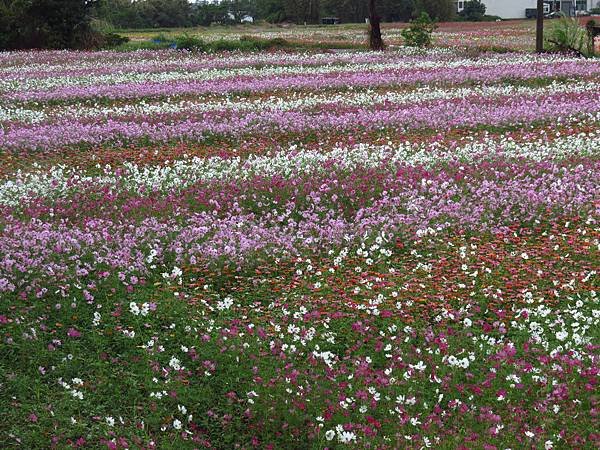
x: 163, y: 13
x: 118, y: 13
x: 440, y: 10
x: 419, y: 33
x: 112, y: 40
x: 187, y: 42
x: 142, y: 45
x: 209, y: 13
x: 593, y: 30
x: 173, y: 13
x: 161, y: 39
x: 488, y: 18
x: 195, y: 44
x: 485, y: 18
x: 566, y: 35
x: 356, y: 10
x: 238, y: 9
x: 246, y: 44
x: 8, y: 20
x: 180, y: 13
x: 474, y: 11
x: 263, y: 44
x: 46, y: 24
x: 272, y: 11
x: 389, y: 10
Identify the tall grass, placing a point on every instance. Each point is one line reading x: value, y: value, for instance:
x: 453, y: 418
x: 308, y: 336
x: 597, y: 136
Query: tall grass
x: 566, y: 35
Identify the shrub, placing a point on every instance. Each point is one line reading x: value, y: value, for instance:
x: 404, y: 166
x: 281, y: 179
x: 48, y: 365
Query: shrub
x: 246, y: 44
x: 112, y: 40
x: 487, y: 18
x: 440, y: 10
x: 225, y: 45
x: 191, y: 43
x: 264, y: 44
x: 419, y: 32
x: 567, y: 36
x: 474, y: 11
x: 187, y: 42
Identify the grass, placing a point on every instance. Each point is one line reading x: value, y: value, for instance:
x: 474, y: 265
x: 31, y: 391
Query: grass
x: 243, y: 44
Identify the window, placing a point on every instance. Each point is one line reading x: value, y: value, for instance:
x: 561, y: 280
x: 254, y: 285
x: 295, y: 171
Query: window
x: 581, y: 5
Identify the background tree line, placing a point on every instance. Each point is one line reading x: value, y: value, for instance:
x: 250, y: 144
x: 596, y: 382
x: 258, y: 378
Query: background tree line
x: 79, y: 23
x: 181, y: 13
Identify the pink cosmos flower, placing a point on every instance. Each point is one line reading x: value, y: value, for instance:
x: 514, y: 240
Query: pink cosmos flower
x: 73, y: 333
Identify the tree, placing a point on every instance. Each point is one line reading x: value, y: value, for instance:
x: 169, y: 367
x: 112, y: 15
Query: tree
x: 375, y: 40
x: 207, y: 13
x: 271, y: 10
x: 357, y: 10
x: 47, y: 24
x: 396, y: 10
x: 8, y: 23
x: 238, y: 9
x: 474, y: 11
x: 119, y: 13
x: 302, y: 11
x: 347, y: 10
x: 165, y: 13
x: 440, y: 10
x: 539, y: 27
x: 419, y: 33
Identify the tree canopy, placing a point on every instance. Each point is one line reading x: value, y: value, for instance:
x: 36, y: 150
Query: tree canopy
x: 68, y: 23
x: 180, y: 13
x: 46, y: 23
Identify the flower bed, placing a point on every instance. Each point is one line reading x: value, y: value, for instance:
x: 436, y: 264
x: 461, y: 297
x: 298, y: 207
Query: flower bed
x: 290, y: 250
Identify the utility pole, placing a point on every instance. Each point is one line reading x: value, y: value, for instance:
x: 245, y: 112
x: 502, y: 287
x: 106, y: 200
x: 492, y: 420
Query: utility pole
x: 375, y: 41
x: 539, y: 28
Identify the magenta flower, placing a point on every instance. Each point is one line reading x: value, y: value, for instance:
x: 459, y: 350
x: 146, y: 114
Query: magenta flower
x: 73, y: 333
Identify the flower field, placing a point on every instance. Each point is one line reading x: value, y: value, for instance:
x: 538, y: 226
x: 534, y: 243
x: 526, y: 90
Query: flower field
x: 299, y: 250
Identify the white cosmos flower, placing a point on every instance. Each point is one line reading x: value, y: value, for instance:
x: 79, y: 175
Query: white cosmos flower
x: 175, y: 363
x: 562, y: 335
x: 134, y: 309
x: 346, y: 437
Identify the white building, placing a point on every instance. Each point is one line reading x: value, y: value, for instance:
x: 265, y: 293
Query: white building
x: 515, y: 9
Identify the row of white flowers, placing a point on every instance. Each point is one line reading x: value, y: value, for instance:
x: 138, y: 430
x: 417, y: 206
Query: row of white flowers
x: 60, y: 181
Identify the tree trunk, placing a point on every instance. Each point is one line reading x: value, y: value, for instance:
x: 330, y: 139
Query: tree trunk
x: 539, y: 31
x: 375, y: 41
